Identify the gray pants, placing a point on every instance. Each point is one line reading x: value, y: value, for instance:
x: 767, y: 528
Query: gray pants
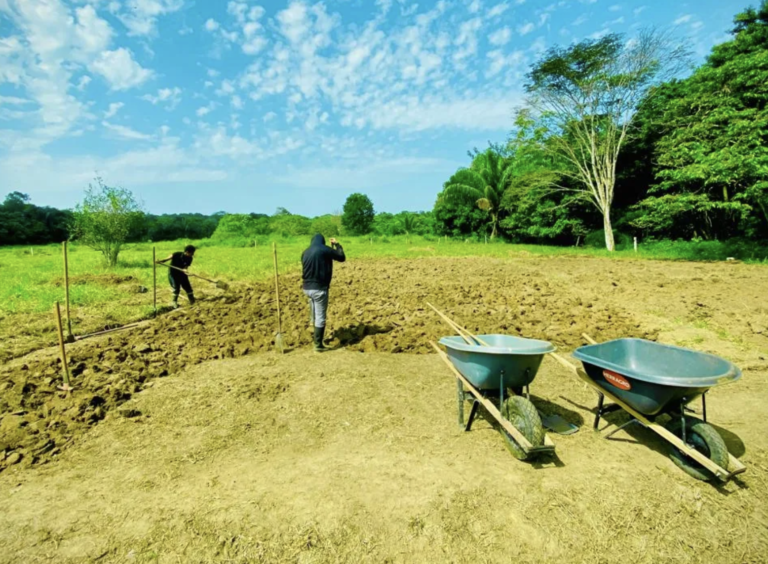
x: 318, y: 306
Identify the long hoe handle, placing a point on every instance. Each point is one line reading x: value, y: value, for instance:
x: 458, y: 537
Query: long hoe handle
x: 188, y: 273
x: 277, y: 290
x: 466, y: 335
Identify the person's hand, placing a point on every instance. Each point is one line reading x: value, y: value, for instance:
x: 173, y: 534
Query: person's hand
x: 334, y: 241
x: 186, y: 271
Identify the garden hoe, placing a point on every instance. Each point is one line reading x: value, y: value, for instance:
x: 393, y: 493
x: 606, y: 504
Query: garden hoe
x: 219, y: 284
x: 279, y: 336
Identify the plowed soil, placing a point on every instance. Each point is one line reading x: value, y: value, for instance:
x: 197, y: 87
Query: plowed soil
x: 350, y: 457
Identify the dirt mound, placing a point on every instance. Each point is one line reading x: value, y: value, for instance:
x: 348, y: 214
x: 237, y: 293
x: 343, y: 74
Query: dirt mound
x: 375, y: 306
x: 100, y: 279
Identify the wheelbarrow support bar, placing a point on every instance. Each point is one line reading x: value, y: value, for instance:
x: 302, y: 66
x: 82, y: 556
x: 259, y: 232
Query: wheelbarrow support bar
x: 520, y: 439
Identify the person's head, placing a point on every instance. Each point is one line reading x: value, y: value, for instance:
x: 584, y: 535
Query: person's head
x: 189, y: 250
x: 318, y: 239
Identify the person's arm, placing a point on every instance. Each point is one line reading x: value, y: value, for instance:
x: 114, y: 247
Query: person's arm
x: 165, y: 259
x: 337, y: 252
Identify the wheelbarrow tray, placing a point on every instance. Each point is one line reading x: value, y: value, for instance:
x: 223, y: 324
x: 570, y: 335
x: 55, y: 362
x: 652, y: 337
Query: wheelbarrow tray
x: 517, y: 358
x: 653, y: 378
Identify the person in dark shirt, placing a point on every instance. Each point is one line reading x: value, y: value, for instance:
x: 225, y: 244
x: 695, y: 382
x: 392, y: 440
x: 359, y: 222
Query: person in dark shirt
x: 178, y: 279
x: 317, y: 271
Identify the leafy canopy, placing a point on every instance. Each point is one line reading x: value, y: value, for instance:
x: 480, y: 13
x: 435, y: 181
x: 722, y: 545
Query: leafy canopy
x: 105, y: 219
x: 358, y: 215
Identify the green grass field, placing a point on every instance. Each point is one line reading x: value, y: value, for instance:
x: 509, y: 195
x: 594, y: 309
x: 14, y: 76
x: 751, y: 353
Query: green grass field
x: 31, y: 278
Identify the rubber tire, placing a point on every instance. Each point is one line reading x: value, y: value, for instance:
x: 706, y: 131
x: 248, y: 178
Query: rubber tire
x: 705, y: 439
x: 523, y: 415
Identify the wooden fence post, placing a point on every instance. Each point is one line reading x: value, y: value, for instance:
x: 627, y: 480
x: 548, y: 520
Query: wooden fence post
x: 70, y: 336
x: 61, y: 347
x: 154, y: 280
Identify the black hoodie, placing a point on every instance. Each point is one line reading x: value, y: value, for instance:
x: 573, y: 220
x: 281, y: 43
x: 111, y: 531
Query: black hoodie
x: 317, y: 263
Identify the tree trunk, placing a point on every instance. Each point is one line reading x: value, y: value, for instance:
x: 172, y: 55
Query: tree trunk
x: 609, y: 243
x: 494, y: 221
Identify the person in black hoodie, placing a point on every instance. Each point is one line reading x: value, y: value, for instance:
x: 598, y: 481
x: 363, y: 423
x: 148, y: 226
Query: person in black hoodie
x: 317, y: 271
x: 178, y: 279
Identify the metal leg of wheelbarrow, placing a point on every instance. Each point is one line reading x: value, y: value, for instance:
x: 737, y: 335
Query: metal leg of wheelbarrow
x: 472, y: 415
x: 602, y: 410
x: 617, y: 429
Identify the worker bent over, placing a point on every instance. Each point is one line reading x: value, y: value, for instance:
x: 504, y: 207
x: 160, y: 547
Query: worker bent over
x: 317, y: 266
x: 177, y: 274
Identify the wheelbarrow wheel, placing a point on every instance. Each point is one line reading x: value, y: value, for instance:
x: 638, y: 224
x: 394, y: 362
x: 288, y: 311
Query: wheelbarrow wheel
x: 523, y: 415
x: 702, y: 437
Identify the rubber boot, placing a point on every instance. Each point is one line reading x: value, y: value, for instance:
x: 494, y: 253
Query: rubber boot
x: 319, y: 346
x: 175, y: 302
x: 191, y: 299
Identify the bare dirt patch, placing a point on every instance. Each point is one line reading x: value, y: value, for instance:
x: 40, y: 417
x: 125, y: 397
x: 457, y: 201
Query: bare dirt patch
x: 348, y: 457
x: 357, y: 458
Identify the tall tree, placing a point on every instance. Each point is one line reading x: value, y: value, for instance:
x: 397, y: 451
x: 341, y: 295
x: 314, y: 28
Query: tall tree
x: 484, y: 182
x: 712, y: 159
x: 105, y: 219
x: 587, y: 95
x: 358, y: 214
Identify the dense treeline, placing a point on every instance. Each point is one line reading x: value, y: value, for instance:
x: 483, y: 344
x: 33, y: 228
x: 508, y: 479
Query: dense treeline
x: 23, y: 223
x: 692, y: 165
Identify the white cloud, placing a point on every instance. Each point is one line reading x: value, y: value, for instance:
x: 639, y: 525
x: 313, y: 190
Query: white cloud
x: 544, y: 18
x: 538, y: 47
x: 474, y: 6
x: 683, y: 19
x: 203, y: 111
x: 83, y: 82
x: 498, y: 10
x: 113, y: 109
x: 237, y: 102
x: 696, y: 26
x: 269, y: 116
x: 140, y: 16
x: 168, y: 96
x: 619, y: 20
x: 250, y: 35
x: 638, y: 11
x: 162, y: 163
x: 124, y: 132
x: 120, y: 69
x: 467, y: 38
x: 580, y: 20
x: 51, y: 44
x: 13, y: 100
x: 526, y: 28
x: 599, y: 34
x: 500, y: 37
x: 615, y: 8
x: 213, y: 73
x: 499, y: 61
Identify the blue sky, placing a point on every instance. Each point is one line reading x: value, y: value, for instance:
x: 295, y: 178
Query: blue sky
x: 239, y: 106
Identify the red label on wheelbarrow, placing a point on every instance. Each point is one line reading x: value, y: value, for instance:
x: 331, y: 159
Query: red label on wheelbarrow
x: 617, y: 380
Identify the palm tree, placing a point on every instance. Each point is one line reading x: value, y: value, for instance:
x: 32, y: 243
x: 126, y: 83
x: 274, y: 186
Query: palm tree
x: 484, y: 181
x: 408, y: 222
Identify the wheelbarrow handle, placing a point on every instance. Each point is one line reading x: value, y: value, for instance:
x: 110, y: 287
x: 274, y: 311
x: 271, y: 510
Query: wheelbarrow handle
x: 187, y: 273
